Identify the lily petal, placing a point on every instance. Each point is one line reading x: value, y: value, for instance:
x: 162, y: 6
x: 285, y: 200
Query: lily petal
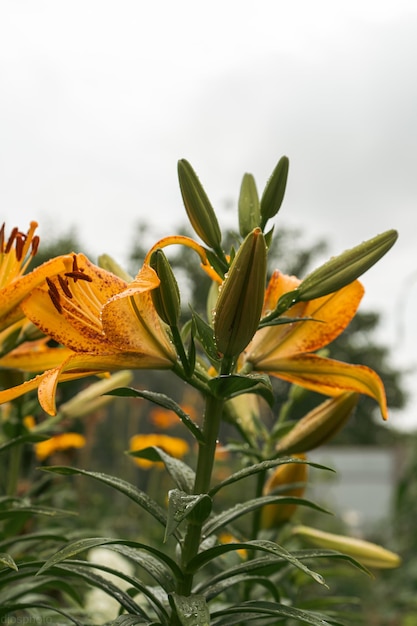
x: 329, y: 316
x: 329, y: 377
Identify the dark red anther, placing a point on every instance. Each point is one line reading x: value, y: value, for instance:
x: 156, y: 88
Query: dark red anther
x: 54, y: 295
x: 64, y: 286
x: 35, y: 245
x: 11, y: 239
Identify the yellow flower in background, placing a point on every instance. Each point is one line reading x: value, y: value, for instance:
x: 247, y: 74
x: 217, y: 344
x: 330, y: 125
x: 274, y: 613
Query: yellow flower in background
x: 174, y: 446
x: 285, y: 350
x: 58, y: 443
x: 104, y: 323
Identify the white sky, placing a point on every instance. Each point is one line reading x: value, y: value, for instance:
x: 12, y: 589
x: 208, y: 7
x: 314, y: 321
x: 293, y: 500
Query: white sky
x: 100, y: 98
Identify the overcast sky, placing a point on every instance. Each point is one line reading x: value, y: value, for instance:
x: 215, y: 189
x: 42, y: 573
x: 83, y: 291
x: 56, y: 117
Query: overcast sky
x: 100, y: 98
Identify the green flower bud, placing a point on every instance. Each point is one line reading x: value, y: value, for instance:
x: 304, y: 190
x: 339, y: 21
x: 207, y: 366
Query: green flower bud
x: 249, y: 208
x: 274, y: 191
x: 166, y: 297
x: 239, y: 305
x: 319, y: 425
x: 345, y: 268
x: 367, y: 553
x: 199, y: 210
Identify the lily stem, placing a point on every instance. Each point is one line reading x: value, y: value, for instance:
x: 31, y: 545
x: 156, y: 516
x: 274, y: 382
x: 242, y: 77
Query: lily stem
x: 204, y: 470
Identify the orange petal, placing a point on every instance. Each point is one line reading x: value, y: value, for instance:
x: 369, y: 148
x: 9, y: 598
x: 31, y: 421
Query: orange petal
x: 329, y: 377
x: 34, y: 357
x: 131, y: 323
x: 331, y: 315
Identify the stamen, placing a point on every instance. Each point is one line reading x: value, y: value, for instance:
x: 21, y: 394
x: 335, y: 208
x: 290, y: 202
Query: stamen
x: 11, y: 239
x: 35, y: 245
x: 79, y: 276
x: 54, y: 295
x: 20, y: 244
x: 2, y: 237
x: 77, y: 272
x: 64, y: 286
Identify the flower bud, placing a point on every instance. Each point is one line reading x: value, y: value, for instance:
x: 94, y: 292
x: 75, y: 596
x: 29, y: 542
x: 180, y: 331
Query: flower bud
x: 274, y: 191
x: 199, y: 210
x: 367, y: 553
x: 288, y: 474
x: 345, y: 268
x: 94, y: 396
x: 249, y: 208
x: 319, y: 425
x: 239, y: 305
x: 166, y: 297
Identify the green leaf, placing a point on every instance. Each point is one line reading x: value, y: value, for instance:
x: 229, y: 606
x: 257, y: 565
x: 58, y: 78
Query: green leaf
x: 8, y: 561
x: 205, y: 334
x: 27, y: 438
x: 161, y: 400
x: 248, y: 611
x: 33, y: 509
x: 129, y: 490
x: 264, y: 466
x: 74, y: 548
x: 180, y: 472
x: 182, y: 505
x: 14, y: 608
x: 233, y: 385
x: 127, y: 620
x: 212, y: 591
x: 191, y: 610
x: 242, y: 508
x: 264, y: 546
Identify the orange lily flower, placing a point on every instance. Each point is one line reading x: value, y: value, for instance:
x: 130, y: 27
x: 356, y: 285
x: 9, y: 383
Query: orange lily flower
x: 16, y: 252
x: 104, y: 323
x: 285, y: 350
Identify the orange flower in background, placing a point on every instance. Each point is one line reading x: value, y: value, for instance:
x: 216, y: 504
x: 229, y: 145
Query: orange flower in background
x: 174, y: 446
x: 58, y: 443
x: 285, y: 350
x: 104, y: 323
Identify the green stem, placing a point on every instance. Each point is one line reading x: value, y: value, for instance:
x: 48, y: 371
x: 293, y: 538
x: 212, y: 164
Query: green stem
x: 205, y: 462
x: 14, y: 467
x: 204, y: 470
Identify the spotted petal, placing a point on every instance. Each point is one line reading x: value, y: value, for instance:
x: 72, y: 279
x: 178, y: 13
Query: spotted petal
x: 329, y: 377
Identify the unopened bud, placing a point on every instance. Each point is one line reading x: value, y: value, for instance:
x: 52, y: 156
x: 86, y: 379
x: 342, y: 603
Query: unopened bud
x: 367, y: 553
x: 345, y: 268
x: 274, y: 191
x: 284, y: 476
x: 166, y: 297
x: 319, y: 425
x: 107, y: 262
x: 94, y: 396
x: 239, y: 305
x: 199, y: 209
x: 249, y: 208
